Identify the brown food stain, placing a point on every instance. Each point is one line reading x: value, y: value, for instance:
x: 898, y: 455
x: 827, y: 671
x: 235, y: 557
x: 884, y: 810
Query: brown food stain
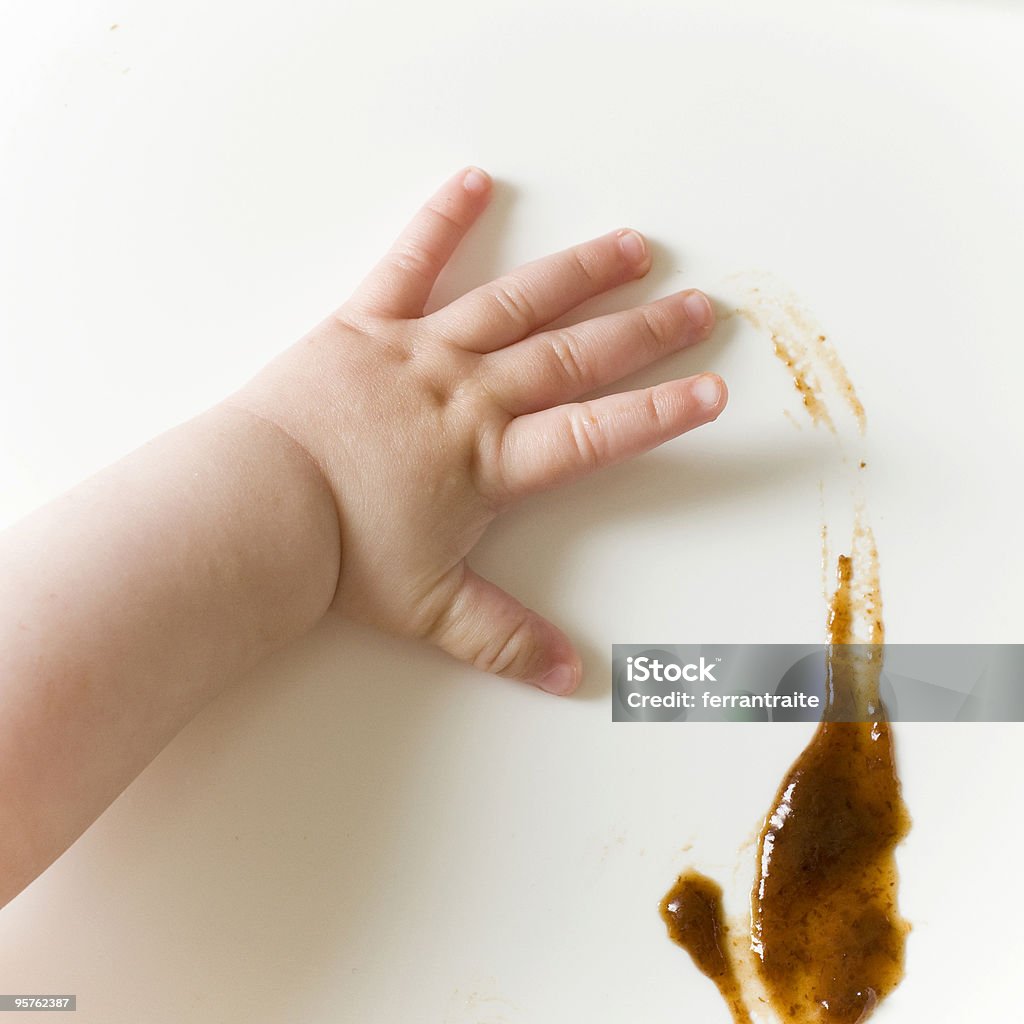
x: 859, y: 592
x: 802, y: 347
x: 825, y: 926
x: 826, y: 942
x: 805, y: 382
x: 692, y: 912
x: 841, y: 610
x: 826, y: 934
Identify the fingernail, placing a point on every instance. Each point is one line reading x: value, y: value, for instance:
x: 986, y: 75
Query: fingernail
x: 560, y: 680
x: 707, y: 389
x: 475, y: 181
x: 633, y: 246
x: 698, y: 309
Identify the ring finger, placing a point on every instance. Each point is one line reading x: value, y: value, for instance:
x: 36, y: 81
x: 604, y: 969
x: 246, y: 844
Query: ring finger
x: 561, y: 365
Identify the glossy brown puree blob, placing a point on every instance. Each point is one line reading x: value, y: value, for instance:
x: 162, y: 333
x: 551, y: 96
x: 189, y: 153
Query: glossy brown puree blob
x: 826, y: 929
x: 692, y: 912
x: 826, y: 932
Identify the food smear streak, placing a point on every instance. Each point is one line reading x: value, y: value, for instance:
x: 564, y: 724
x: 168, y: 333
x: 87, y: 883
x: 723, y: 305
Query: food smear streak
x: 800, y: 345
x: 826, y: 932
x: 692, y: 912
x: 826, y: 938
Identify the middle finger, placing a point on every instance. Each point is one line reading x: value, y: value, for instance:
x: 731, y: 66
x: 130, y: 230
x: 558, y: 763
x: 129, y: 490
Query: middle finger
x: 517, y: 304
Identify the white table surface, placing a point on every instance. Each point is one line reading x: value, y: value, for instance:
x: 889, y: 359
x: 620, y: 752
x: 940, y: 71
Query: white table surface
x: 364, y: 831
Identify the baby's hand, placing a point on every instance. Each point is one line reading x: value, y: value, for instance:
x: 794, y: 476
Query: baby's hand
x: 426, y: 427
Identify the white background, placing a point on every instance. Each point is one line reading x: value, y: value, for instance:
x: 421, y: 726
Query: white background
x: 364, y: 831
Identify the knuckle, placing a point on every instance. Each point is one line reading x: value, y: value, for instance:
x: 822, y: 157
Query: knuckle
x: 653, y: 328
x: 586, y: 436
x: 437, y: 613
x: 515, y: 303
x: 655, y: 409
x: 353, y: 318
x: 568, y: 352
x: 489, y: 466
x: 585, y: 270
x: 505, y: 657
x: 442, y: 215
x: 433, y: 623
x: 413, y: 259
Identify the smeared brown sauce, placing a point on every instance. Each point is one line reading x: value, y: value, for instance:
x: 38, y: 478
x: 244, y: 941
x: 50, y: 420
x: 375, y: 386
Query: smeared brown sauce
x: 806, y: 351
x: 804, y: 380
x: 826, y: 934
x: 841, y: 608
x: 825, y: 926
x: 826, y: 938
x: 692, y: 912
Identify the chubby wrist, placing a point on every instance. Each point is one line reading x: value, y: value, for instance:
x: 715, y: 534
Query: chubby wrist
x: 291, y: 511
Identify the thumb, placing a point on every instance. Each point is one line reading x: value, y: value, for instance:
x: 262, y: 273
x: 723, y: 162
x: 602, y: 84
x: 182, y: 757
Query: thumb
x: 483, y: 625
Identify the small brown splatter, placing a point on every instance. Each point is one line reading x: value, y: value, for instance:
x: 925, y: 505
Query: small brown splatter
x: 805, y: 350
x: 692, y: 912
x: 805, y: 382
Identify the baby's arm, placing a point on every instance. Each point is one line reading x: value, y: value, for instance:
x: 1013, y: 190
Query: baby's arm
x: 128, y: 603
x: 356, y: 472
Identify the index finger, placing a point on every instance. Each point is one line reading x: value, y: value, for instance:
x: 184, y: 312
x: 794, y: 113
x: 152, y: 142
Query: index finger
x: 400, y: 284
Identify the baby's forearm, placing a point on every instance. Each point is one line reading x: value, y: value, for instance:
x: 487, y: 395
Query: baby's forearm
x: 128, y: 603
